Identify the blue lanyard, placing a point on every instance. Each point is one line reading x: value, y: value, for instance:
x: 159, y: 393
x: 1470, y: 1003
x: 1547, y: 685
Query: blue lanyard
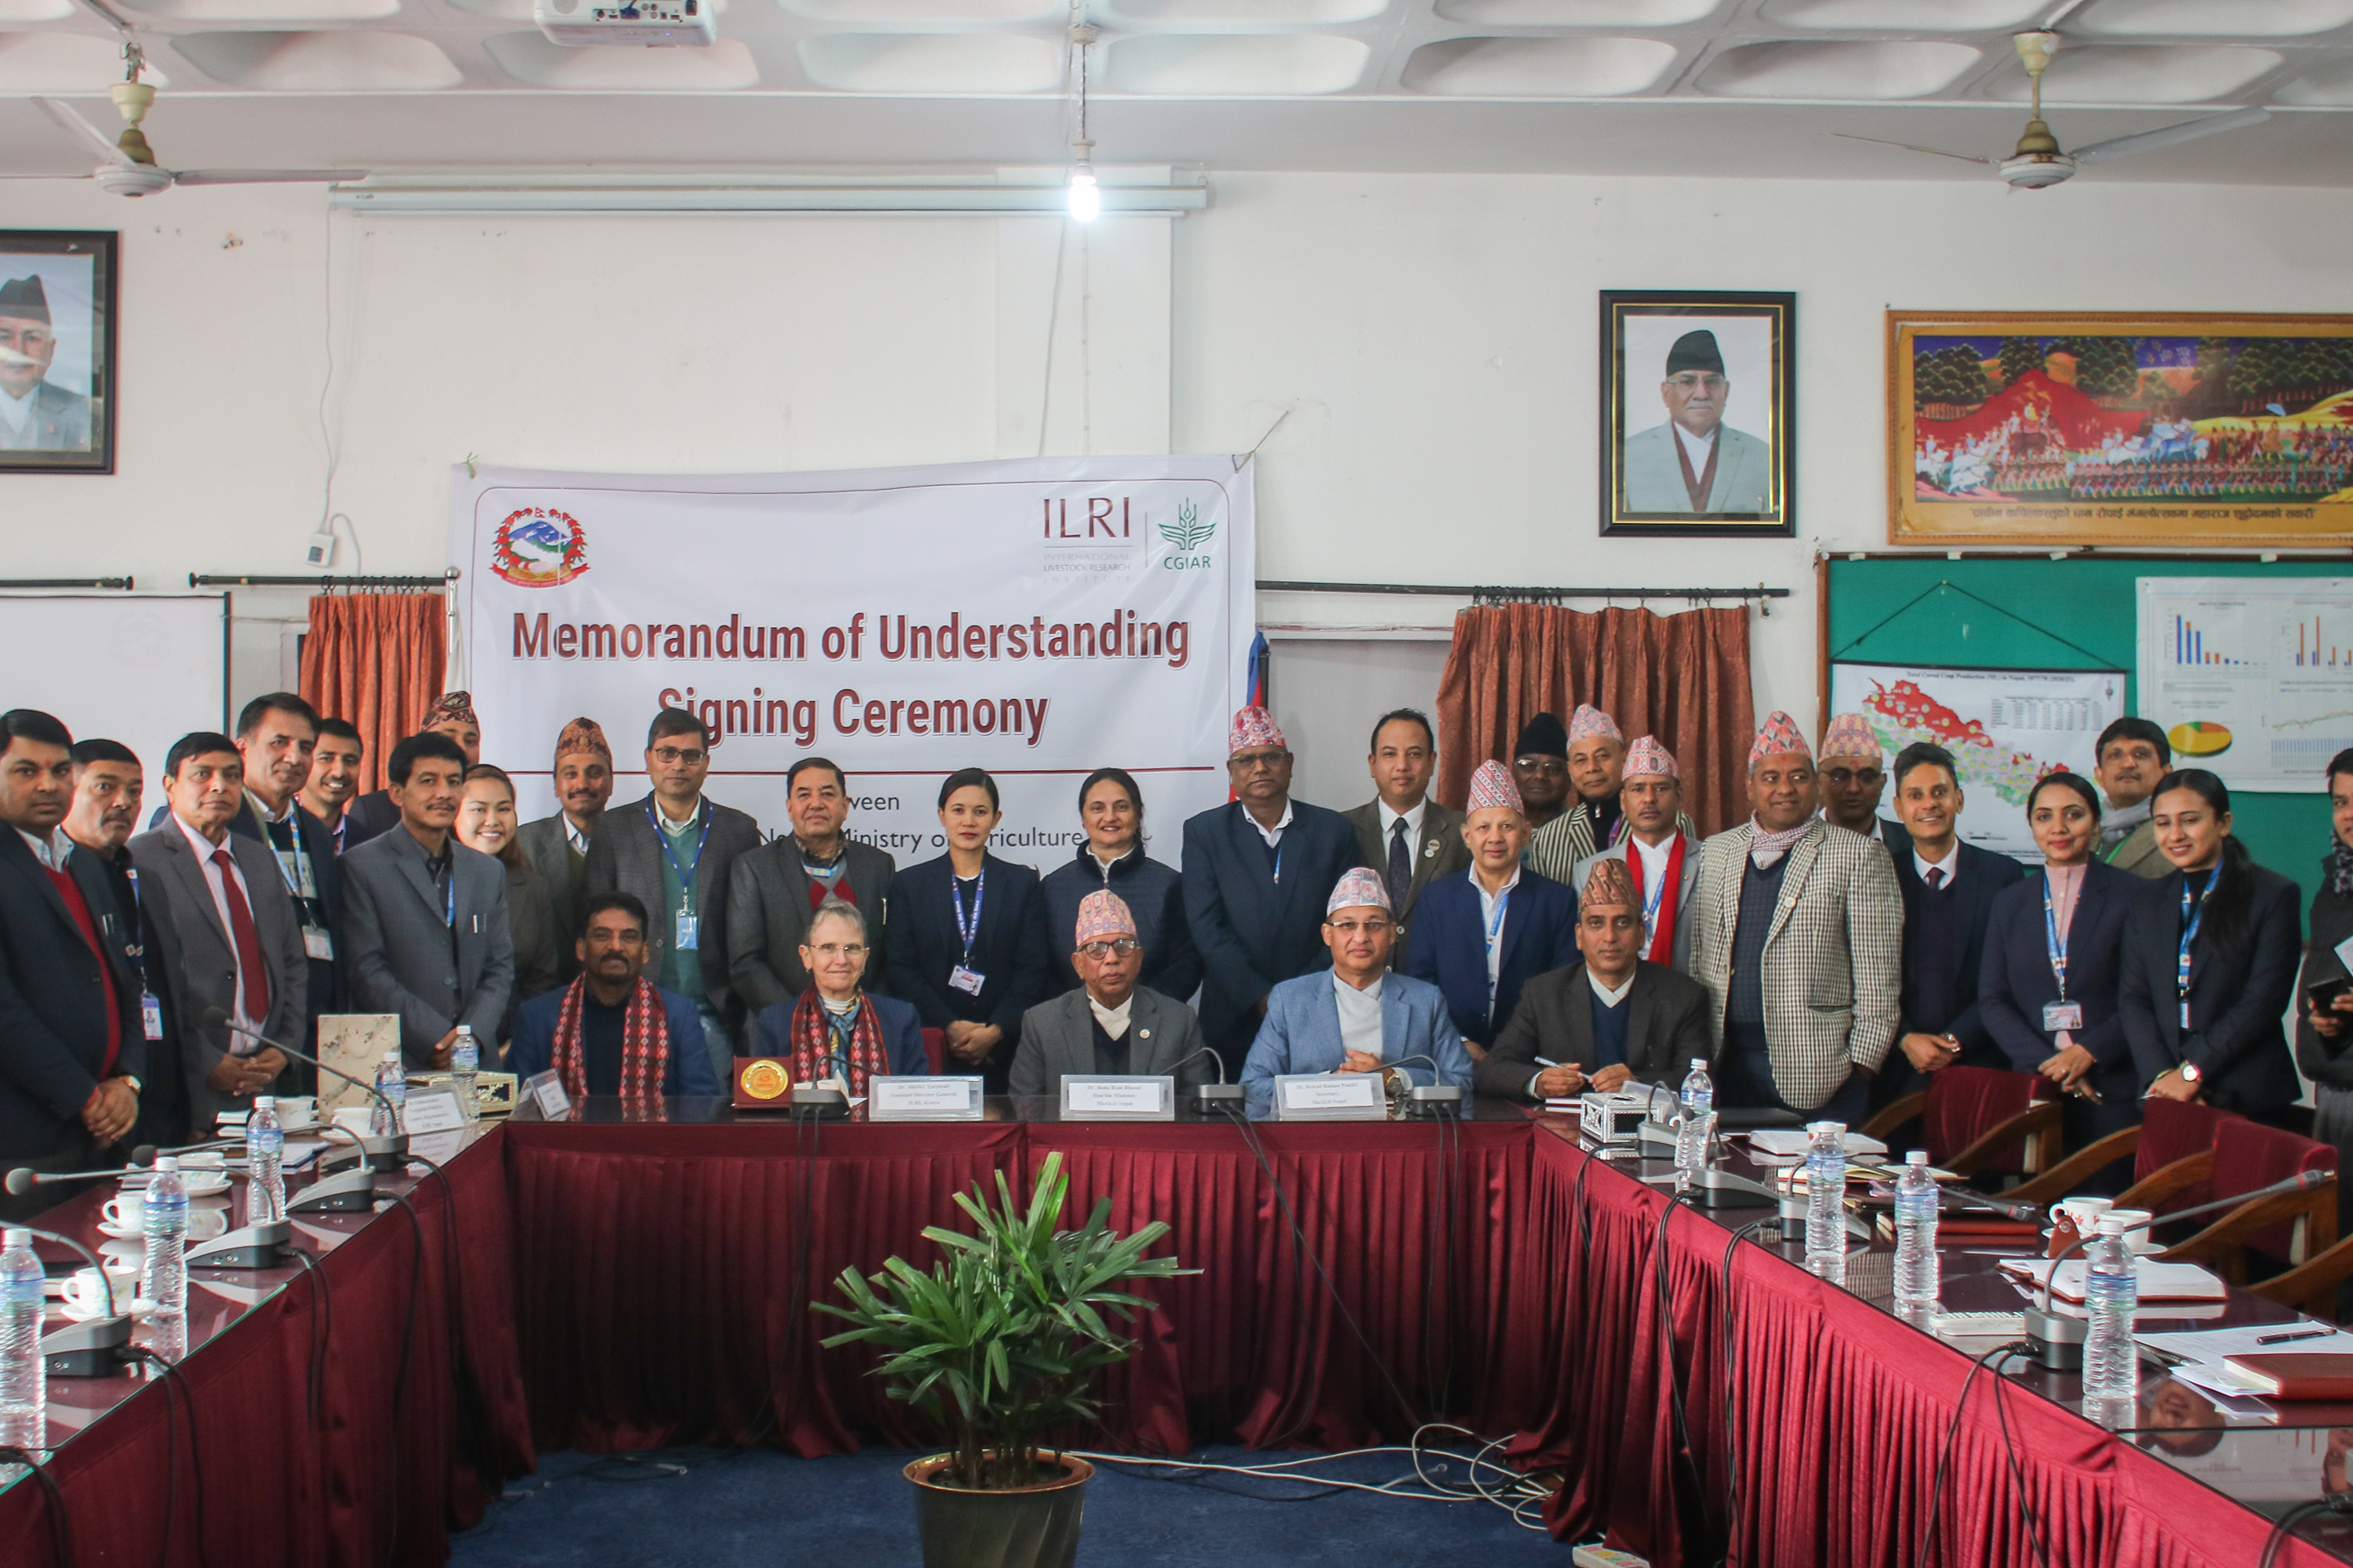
x: 2055, y: 944
x: 296, y: 878
x: 2190, y: 928
x: 1495, y: 925
x: 969, y: 929
x: 1657, y: 895
x: 449, y: 896
x: 685, y: 872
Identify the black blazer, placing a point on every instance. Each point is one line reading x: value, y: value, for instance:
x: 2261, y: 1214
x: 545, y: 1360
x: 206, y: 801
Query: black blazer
x: 1154, y: 894
x: 151, y: 951
x: 2016, y: 980
x: 2236, y: 998
x: 1979, y: 877
x: 1253, y: 931
x: 1008, y: 952
x: 1448, y: 946
x: 326, y: 993
x: 53, y: 1002
x: 1554, y: 1020
x: 2326, y: 1062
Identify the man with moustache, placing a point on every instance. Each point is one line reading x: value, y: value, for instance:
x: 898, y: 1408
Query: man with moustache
x: 334, y: 779
x: 1540, y: 769
x: 36, y: 414
x: 451, y: 715
x: 1853, y: 780
x: 1659, y: 849
x: 612, y: 1031
x: 1596, y: 770
x: 777, y: 889
x: 107, y: 786
x: 2133, y: 754
x: 276, y: 734
x: 1695, y: 464
x: 557, y: 846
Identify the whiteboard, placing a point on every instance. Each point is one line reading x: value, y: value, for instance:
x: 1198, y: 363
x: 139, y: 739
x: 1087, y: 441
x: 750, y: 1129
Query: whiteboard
x: 135, y: 668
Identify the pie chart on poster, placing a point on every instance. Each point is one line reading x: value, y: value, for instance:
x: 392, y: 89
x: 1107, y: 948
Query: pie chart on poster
x: 2199, y: 738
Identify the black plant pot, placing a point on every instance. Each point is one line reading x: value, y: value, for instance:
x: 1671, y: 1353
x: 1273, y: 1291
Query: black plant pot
x: 1027, y: 1527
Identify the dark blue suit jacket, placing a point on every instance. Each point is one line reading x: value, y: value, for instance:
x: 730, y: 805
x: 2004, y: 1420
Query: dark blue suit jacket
x: 2016, y: 980
x: 1008, y: 952
x: 1979, y: 877
x: 1449, y: 946
x: 53, y: 1002
x: 326, y: 993
x: 533, y: 1048
x: 1253, y: 931
x: 903, y: 1032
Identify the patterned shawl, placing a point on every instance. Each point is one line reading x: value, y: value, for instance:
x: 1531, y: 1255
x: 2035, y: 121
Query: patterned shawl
x: 645, y: 1042
x: 815, y: 1035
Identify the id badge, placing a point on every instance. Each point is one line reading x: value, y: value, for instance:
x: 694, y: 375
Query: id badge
x: 689, y: 928
x: 2058, y: 1015
x: 2184, y: 1017
x: 298, y: 874
x: 318, y: 943
x: 151, y: 1015
x: 965, y: 980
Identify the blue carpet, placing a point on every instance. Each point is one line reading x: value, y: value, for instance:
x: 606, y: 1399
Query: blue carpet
x: 742, y: 1509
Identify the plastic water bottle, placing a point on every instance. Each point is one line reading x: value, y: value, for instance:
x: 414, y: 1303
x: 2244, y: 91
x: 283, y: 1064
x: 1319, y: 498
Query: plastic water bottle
x: 24, y: 1385
x: 265, y: 1147
x: 1826, y: 1192
x: 2111, y: 1291
x: 1697, y: 1124
x: 465, y: 1061
x: 1916, y: 1232
x: 163, y: 1215
x: 392, y: 1083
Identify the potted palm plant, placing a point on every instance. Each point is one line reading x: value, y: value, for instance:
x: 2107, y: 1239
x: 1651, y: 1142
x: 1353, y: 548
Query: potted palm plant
x: 1001, y: 1343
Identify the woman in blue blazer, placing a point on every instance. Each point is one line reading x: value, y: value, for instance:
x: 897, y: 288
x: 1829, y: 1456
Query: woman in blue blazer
x: 2019, y: 999
x: 970, y: 949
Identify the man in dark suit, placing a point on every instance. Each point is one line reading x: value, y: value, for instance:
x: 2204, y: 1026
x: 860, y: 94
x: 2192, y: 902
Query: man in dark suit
x: 425, y: 918
x: 107, y: 786
x: 1488, y: 931
x: 334, y: 779
x: 451, y: 715
x: 1612, y: 1018
x: 1853, y: 779
x: 1948, y: 890
x: 228, y: 927
x: 1110, y: 1024
x: 277, y: 735
x: 681, y: 871
x: 557, y: 847
x: 1257, y: 871
x: 1410, y: 839
x: 73, y: 1057
x: 778, y: 887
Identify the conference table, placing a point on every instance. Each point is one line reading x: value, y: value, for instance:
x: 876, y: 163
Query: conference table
x: 640, y: 1273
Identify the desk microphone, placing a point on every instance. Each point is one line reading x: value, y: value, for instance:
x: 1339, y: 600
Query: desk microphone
x: 1431, y: 1098
x: 99, y: 1347
x: 1208, y: 1097
x: 24, y: 1179
x: 346, y: 1191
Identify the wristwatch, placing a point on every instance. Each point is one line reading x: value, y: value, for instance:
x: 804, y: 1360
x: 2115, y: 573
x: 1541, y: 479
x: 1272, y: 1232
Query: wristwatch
x: 133, y: 1079
x: 2189, y: 1073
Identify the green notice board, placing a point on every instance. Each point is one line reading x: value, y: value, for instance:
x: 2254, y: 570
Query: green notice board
x: 2087, y: 607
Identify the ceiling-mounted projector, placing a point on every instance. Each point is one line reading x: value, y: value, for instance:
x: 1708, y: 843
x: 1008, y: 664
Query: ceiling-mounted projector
x: 646, y: 22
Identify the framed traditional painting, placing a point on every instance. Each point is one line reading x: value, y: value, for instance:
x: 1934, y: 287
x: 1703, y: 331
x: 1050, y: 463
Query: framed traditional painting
x: 2119, y: 429
x: 57, y: 352
x: 1697, y: 404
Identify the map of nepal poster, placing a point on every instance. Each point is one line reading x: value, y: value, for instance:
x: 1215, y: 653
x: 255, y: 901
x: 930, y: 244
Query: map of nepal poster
x: 2005, y: 728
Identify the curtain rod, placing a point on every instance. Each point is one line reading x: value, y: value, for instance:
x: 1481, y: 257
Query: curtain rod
x: 1521, y: 596
x: 325, y: 585
x: 121, y: 583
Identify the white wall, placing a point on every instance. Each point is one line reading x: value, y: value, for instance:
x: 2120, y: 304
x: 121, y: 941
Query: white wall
x: 1433, y: 338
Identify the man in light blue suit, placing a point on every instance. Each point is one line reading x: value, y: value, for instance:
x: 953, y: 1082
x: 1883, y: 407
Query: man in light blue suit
x: 1358, y: 1017
x: 1695, y: 464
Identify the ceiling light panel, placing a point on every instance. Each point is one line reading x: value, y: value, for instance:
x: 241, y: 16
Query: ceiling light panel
x: 723, y: 66
x: 1538, y: 67
x: 1272, y: 66
x: 2206, y: 18
x: 36, y: 10
x: 321, y: 62
x: 60, y: 62
x: 1844, y: 71
x: 935, y: 63
x: 2330, y: 87
x: 924, y: 13
x: 203, y: 12
x: 1240, y: 12
x: 1909, y: 16
x: 1575, y: 13
x: 2181, y: 73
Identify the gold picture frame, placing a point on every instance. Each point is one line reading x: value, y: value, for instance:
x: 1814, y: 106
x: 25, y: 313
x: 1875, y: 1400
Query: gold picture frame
x: 1731, y: 473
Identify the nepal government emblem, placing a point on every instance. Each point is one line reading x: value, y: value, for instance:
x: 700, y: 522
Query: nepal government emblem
x: 539, y: 547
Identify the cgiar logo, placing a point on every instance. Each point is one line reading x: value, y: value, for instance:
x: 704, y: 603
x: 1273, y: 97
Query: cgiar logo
x: 1189, y: 534
x: 539, y: 547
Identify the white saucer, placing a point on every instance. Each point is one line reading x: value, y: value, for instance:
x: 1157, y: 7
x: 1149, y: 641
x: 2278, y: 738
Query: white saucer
x: 205, y: 1184
x: 73, y: 1314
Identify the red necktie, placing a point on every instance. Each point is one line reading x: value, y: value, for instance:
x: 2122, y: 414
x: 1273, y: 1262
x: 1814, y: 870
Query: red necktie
x: 1936, y: 877
x: 252, y: 978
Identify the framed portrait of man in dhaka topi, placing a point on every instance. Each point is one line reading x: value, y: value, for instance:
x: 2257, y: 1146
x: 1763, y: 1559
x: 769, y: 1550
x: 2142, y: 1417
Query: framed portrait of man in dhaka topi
x: 57, y: 352
x: 1697, y: 400
x: 2092, y: 429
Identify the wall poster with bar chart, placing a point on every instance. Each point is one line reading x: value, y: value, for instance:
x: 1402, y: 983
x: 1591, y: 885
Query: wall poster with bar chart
x: 2250, y: 677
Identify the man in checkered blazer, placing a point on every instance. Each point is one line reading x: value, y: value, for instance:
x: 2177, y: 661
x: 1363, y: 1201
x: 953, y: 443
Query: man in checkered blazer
x: 1798, y: 934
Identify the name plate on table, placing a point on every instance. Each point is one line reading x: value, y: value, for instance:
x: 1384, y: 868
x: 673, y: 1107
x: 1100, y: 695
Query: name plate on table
x: 921, y: 1098
x: 542, y: 1092
x: 1330, y: 1097
x: 1089, y: 1097
x: 433, y: 1111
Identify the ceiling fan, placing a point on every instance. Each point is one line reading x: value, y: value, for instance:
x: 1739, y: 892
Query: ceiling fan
x: 130, y: 168
x: 2037, y: 163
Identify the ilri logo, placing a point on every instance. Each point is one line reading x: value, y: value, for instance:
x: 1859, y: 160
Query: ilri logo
x: 1189, y: 533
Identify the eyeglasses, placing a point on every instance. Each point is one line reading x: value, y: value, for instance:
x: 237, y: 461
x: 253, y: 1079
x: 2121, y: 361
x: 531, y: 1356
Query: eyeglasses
x: 1249, y: 759
x: 1099, y: 950
x: 1351, y: 927
x: 1550, y: 767
x: 1691, y: 380
x: 831, y: 950
x: 670, y: 756
x: 1845, y: 776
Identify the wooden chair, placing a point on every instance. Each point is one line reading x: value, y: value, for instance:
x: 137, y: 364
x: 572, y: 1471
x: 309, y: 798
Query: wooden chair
x: 1980, y: 1120
x: 2289, y: 1229
x: 2311, y: 1286
x: 2170, y: 1130
x: 2175, y: 1160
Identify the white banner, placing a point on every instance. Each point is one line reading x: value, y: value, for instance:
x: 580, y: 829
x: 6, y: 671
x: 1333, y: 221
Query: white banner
x: 2006, y: 728
x: 2252, y: 677
x: 1037, y: 619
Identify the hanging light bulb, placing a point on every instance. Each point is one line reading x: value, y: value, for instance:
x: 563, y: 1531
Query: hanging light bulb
x: 1086, y: 195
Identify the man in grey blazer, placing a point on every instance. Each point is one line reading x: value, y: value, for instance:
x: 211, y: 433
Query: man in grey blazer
x: 36, y: 414
x: 557, y: 847
x: 425, y: 918
x: 1665, y: 864
x: 1111, y: 1025
x: 776, y: 890
x: 2132, y: 755
x: 230, y: 932
x: 1797, y: 935
x: 1695, y: 463
x: 1411, y: 840
x: 681, y: 871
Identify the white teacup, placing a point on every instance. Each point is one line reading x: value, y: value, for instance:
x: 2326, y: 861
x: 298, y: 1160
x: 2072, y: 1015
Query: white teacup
x: 2084, y: 1211
x: 2136, y: 1221
x: 84, y: 1292
x: 298, y: 1110
x: 204, y: 1160
x: 126, y: 1211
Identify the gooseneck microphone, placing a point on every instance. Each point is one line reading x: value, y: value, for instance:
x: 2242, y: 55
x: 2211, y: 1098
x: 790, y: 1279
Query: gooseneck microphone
x: 24, y: 1179
x: 1210, y: 1097
x: 345, y: 1192
x: 99, y: 1347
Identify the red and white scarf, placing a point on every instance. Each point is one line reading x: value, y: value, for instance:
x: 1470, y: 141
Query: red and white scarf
x: 813, y: 1042
x: 1662, y: 922
x: 1763, y: 847
x: 645, y: 1042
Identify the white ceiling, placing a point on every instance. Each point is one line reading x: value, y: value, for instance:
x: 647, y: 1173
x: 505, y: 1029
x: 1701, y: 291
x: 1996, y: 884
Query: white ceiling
x: 1739, y: 87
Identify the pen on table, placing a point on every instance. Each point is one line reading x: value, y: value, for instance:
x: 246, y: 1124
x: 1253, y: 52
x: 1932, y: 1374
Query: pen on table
x: 2318, y: 1334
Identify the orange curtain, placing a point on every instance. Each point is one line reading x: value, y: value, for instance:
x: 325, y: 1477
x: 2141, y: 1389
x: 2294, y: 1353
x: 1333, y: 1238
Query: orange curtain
x: 376, y: 659
x: 1683, y: 679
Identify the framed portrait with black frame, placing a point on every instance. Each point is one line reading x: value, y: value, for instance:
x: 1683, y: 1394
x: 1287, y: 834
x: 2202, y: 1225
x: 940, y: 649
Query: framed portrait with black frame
x: 1698, y: 406
x: 57, y: 352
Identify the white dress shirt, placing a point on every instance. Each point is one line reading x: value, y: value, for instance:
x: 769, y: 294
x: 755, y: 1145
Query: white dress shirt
x: 1608, y: 999
x: 1360, y: 1016
x: 1274, y: 835
x: 574, y: 837
x: 16, y: 413
x: 50, y: 852
x: 204, y: 849
x: 1412, y: 820
x: 1490, y: 926
x: 1949, y: 866
x: 1112, y: 1019
x: 1696, y: 447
